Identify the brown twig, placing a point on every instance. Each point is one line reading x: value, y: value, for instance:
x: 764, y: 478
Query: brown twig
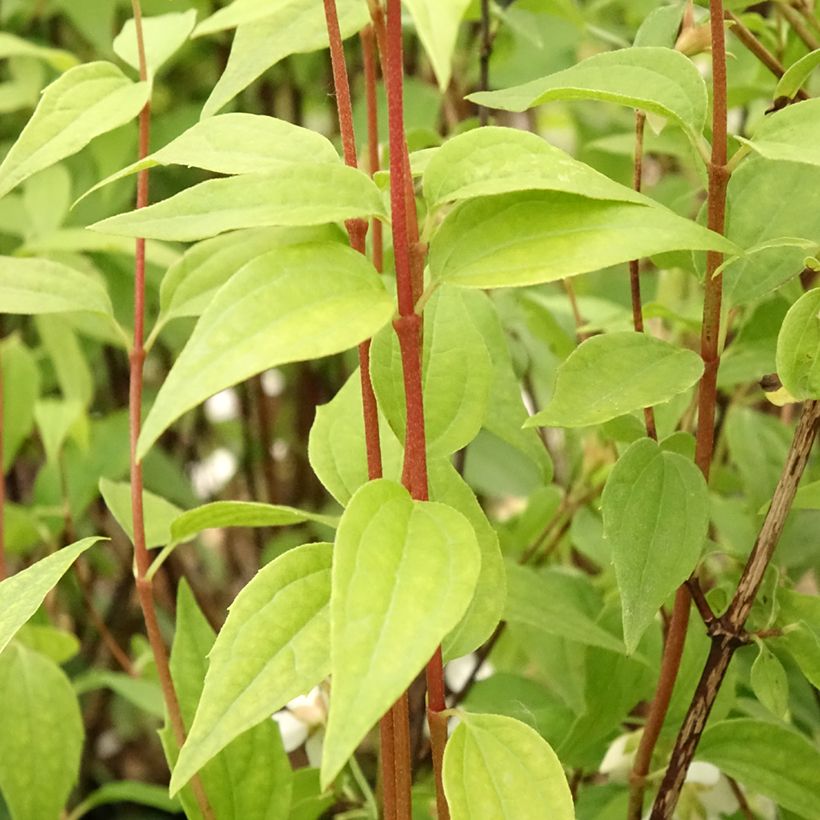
x: 798, y: 24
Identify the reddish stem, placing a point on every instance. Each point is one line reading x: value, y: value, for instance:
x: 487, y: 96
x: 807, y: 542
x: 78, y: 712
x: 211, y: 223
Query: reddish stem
x: 369, y: 63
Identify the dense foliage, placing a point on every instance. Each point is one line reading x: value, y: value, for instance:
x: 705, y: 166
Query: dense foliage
x: 449, y: 395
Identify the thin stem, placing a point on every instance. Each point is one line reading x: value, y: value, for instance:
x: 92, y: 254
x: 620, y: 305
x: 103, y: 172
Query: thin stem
x: 142, y: 560
x: 3, y: 567
x: 368, y: 41
x: 798, y: 24
x: 484, y: 59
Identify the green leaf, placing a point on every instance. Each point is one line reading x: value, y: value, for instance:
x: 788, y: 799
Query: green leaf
x: 660, y: 28
x: 21, y: 389
x: 159, y: 514
x: 22, y: 593
x: 11, y: 46
x: 250, y: 779
x: 456, y: 375
x: 612, y: 374
x: 808, y: 497
x: 301, y: 193
x: 769, y: 682
x: 236, y: 144
x: 767, y: 758
x: 56, y: 644
x: 35, y: 286
x: 162, y: 35
x: 492, y: 160
x: 127, y: 791
x: 143, y: 693
x: 437, y: 23
x: 86, y: 101
x: 336, y: 446
x: 274, y: 645
x: 528, y: 238
x: 658, y: 80
x: 404, y: 573
x: 656, y: 516
x: 790, y: 134
x: 290, y: 305
x: 798, y: 347
x: 797, y: 74
x: 241, y: 514
x: 71, y: 366
x: 496, y: 766
x: 556, y: 603
x: 266, y: 34
x: 42, y: 731
x: 55, y: 418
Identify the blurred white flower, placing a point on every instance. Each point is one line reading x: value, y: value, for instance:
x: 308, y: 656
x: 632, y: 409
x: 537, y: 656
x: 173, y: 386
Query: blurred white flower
x: 457, y: 672
x: 303, y: 720
x: 273, y: 382
x: 211, y: 474
x: 620, y: 755
x: 224, y: 406
x: 279, y: 449
x: 294, y: 732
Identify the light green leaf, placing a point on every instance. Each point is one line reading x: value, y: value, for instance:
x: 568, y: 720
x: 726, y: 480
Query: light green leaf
x: 33, y: 286
x: 556, y: 603
x: 612, y: 374
x: 657, y: 80
x: 656, y: 516
x: 55, y: 418
x: 11, y: 46
x: 143, y: 693
x: 251, y: 778
x: 191, y: 282
x: 241, y: 514
x: 404, y: 573
x: 797, y: 74
x: 158, y: 513
x: 126, y: 791
x: 767, y: 758
x: 21, y: 389
x: 528, y: 238
x: 493, y: 160
x: 42, y: 731
x: 336, y: 446
x: 301, y: 193
x: 236, y: 144
x: 267, y: 34
x: 798, y: 347
x: 660, y: 28
x: 769, y: 682
x: 162, y: 34
x: 437, y: 23
x: 290, y: 305
x: 70, y: 363
x: 56, y: 644
x: 456, y: 375
x: 790, y: 134
x: 22, y: 593
x: 274, y: 645
x: 808, y: 497
x: 88, y: 100
x: 496, y: 766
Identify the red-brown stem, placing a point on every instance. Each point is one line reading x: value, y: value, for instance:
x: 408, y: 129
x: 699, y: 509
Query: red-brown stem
x: 408, y: 329
x: 370, y: 79
x: 3, y: 568
x: 142, y: 560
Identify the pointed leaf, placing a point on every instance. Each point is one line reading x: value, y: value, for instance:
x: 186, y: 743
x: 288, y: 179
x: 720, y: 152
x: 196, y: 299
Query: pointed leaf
x: 404, y: 573
x: 657, y: 80
x: 55, y: 418
x: 42, y: 732
x: 798, y: 348
x: 302, y: 193
x: 656, y: 515
x: 290, y: 305
x: 127, y: 791
x: 769, y: 682
x: 158, y: 513
x: 86, y: 101
x: 162, y: 34
x: 493, y: 160
x: 613, y: 374
x: 527, y: 238
x: 22, y: 593
x: 11, y: 46
x: 21, y: 389
x: 496, y: 766
x: 790, y: 134
x: 437, y: 23
x: 274, y: 645
x: 797, y: 74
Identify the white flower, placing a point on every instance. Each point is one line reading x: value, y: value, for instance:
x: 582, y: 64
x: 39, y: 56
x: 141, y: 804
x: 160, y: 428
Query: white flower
x: 457, y: 672
x: 211, y: 474
x: 619, y: 757
x: 224, y: 406
x: 303, y: 720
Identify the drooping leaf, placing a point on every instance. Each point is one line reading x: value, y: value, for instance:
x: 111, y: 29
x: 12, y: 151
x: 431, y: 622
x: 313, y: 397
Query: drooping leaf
x: 297, y: 194
x: 404, y: 573
x: 56, y: 644
x: 236, y: 144
x: 274, y: 645
x: 71, y: 366
x: 22, y: 593
x: 21, y: 389
x: 251, y: 778
x: 456, y: 375
x: 491, y: 160
x: 437, y: 23
x: 528, y: 238
x: 798, y: 347
x: 656, y: 515
x: 55, y: 418
x: 11, y: 46
x: 88, y: 100
x: 768, y: 758
x: 35, y: 286
x: 658, y: 80
x: 496, y: 766
x: 266, y: 35
x: 143, y: 693
x: 292, y: 304
x: 163, y: 34
x: 42, y: 732
x: 612, y: 374
x: 769, y: 682
x: 127, y: 791
x: 158, y: 513
x: 797, y: 74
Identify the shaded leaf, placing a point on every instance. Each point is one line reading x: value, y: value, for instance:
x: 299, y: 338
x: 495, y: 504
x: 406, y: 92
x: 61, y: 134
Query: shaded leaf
x: 158, y: 513
x: 798, y: 348
x: 437, y: 23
